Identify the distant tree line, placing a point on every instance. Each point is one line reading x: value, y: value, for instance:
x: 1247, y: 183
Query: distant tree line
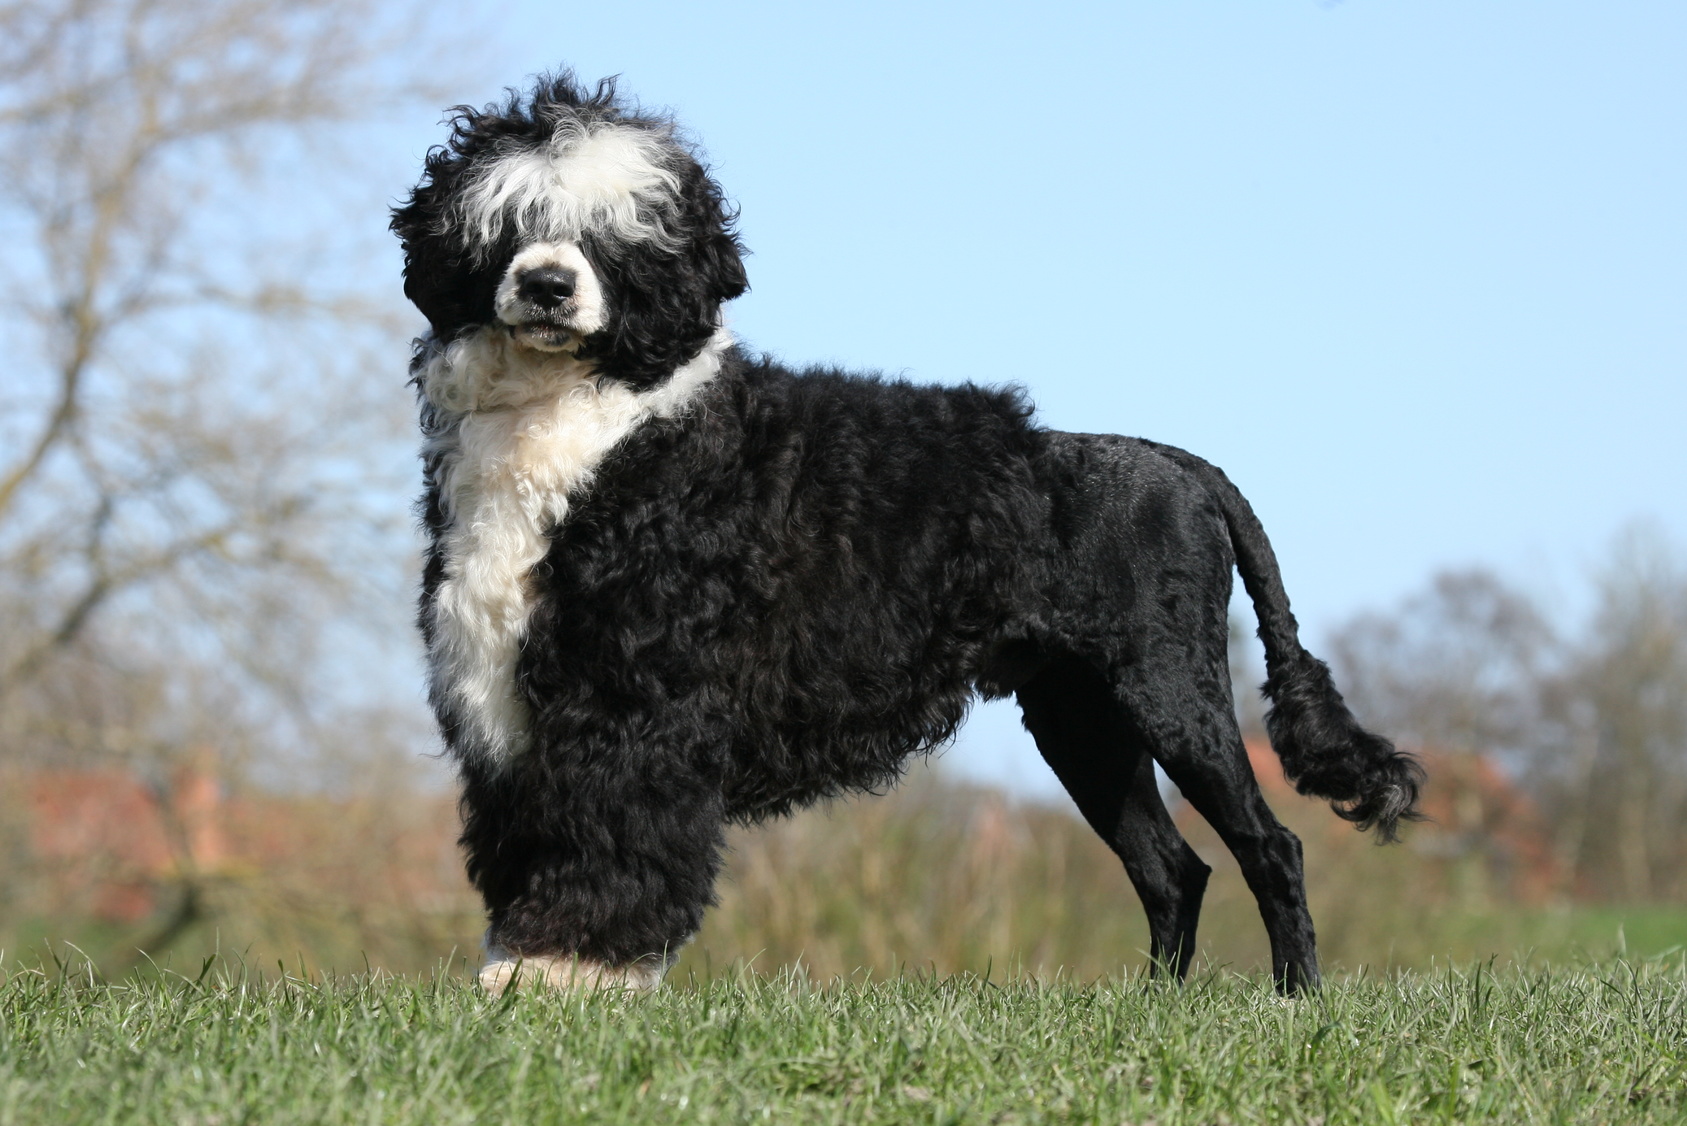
x: 1589, y: 718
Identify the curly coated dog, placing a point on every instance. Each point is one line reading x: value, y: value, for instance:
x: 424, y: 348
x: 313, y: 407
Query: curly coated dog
x: 672, y: 585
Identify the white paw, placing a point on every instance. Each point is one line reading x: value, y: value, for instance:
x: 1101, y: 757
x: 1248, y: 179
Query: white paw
x: 567, y: 971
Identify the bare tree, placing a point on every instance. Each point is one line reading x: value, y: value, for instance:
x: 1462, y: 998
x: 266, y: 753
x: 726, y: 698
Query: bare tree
x: 1616, y: 773
x: 158, y: 425
x: 1457, y: 665
x: 201, y: 418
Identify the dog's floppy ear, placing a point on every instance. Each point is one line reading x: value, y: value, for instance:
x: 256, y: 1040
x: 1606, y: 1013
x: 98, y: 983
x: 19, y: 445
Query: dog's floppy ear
x: 717, y: 254
x: 665, y: 300
x: 449, y: 289
x: 721, y: 257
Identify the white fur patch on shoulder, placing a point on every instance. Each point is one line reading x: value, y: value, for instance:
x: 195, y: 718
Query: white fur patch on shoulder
x: 568, y: 971
x: 615, y: 179
x: 522, y: 431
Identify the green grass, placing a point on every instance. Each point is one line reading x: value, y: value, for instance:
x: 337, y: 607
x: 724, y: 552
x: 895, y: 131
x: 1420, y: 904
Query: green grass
x: 1602, y: 1043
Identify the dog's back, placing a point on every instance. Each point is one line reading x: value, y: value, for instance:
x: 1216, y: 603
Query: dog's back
x: 814, y: 566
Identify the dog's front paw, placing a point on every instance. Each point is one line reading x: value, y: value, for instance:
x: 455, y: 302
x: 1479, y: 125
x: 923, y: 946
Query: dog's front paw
x: 567, y: 971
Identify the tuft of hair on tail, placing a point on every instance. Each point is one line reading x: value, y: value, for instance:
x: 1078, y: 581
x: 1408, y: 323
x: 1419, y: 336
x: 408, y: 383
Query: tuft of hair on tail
x: 1324, y: 751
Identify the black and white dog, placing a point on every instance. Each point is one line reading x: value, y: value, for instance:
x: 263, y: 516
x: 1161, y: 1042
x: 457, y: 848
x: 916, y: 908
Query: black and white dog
x: 672, y: 585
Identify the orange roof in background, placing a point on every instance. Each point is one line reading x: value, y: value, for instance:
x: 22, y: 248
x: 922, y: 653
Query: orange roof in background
x: 111, y: 842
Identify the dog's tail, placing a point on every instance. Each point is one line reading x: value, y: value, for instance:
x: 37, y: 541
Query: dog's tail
x: 1325, y: 752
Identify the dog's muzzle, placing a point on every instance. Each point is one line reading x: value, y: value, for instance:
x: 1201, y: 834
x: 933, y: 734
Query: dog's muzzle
x: 546, y: 305
x: 550, y: 298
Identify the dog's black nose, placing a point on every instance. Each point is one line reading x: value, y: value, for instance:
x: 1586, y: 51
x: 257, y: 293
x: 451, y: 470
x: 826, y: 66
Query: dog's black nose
x: 546, y: 287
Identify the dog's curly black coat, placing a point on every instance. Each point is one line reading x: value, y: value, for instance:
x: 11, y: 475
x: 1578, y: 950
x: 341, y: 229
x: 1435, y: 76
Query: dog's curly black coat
x: 783, y: 591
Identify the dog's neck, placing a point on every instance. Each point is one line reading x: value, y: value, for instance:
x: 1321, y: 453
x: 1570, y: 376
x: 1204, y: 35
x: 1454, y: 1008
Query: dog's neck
x: 486, y: 370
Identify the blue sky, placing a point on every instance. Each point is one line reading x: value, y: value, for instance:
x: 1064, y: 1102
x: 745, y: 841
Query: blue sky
x: 1413, y: 274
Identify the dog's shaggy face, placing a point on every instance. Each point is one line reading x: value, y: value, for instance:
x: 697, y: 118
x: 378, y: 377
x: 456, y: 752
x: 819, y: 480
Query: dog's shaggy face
x: 572, y: 225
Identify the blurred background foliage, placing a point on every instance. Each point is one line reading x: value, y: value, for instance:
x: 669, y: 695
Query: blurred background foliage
x: 207, y: 741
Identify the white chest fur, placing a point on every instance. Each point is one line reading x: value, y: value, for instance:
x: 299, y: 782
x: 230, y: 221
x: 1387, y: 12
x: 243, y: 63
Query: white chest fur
x: 522, y: 430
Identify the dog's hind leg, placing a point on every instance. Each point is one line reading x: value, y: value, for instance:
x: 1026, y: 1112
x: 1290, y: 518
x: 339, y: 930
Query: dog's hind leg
x: 1190, y: 726
x: 1081, y: 732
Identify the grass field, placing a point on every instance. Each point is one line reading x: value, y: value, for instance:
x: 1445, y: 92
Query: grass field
x: 1602, y: 1043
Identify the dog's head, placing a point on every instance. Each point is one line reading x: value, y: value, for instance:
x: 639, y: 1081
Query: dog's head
x: 575, y: 224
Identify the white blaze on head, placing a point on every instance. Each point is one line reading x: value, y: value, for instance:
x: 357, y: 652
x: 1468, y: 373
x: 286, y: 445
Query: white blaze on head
x: 617, y: 180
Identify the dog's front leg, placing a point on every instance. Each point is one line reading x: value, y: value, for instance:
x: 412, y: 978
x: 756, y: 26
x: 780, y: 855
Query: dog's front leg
x: 591, y: 880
